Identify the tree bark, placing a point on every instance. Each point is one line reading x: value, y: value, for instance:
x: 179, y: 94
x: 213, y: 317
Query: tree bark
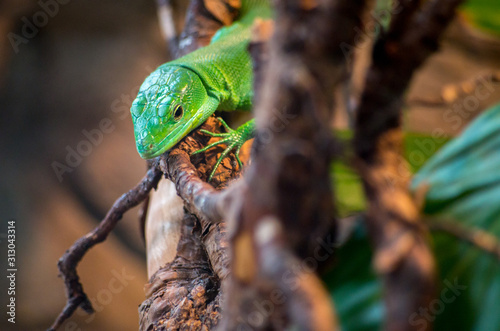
x: 402, y: 256
x: 188, y: 260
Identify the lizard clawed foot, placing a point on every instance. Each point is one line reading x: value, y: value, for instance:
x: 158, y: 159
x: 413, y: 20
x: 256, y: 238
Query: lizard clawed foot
x: 232, y: 138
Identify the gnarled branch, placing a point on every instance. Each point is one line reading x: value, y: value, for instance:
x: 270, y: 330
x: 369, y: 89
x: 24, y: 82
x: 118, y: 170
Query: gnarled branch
x: 67, y: 264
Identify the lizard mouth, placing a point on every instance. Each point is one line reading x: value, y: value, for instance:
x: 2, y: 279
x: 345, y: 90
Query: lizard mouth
x: 148, y: 149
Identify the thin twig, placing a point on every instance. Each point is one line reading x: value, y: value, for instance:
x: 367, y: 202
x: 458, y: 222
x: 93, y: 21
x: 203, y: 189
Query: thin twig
x: 143, y: 214
x: 474, y: 236
x: 76, y: 297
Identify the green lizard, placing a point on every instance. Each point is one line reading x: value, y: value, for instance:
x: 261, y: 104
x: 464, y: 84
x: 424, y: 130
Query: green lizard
x: 182, y: 94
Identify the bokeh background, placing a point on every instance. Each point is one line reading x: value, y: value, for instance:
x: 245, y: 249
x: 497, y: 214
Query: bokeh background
x: 79, y: 71
x: 81, y: 68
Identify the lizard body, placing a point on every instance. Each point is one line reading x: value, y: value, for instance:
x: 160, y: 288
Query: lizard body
x: 180, y: 95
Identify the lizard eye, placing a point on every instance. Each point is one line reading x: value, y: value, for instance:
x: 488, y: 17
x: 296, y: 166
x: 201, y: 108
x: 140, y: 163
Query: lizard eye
x: 178, y: 112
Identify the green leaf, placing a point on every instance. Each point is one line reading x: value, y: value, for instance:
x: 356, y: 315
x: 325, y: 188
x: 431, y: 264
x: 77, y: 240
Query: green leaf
x: 463, y: 184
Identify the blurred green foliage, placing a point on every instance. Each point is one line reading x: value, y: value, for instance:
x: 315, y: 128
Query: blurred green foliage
x: 483, y: 14
x: 463, y: 185
x: 348, y: 188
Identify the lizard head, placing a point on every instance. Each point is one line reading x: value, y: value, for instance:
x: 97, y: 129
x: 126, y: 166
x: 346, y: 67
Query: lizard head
x: 171, y: 102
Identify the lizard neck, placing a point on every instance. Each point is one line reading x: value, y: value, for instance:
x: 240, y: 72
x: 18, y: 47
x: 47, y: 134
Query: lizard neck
x: 225, y: 66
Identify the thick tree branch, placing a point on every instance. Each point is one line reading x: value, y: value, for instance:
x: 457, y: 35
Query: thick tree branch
x: 306, y: 301
x: 201, y: 260
x: 200, y: 197
x: 402, y: 255
x: 288, y: 180
x: 168, y: 18
x: 185, y: 293
x: 204, y: 18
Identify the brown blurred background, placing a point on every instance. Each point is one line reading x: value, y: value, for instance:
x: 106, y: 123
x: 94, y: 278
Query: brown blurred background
x: 79, y: 72
x: 80, y: 69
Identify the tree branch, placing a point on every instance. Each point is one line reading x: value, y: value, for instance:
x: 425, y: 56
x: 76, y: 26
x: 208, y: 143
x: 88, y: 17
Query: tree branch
x: 307, y: 303
x: 168, y: 18
x: 402, y: 256
x: 288, y: 180
x: 67, y: 264
x: 479, y: 238
x: 185, y: 292
x: 199, y: 196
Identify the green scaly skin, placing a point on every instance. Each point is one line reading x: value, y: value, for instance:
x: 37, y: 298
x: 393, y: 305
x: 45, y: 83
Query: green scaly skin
x: 181, y: 95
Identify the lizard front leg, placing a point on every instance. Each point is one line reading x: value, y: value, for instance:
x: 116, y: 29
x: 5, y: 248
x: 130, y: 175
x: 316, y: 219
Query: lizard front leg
x: 232, y: 138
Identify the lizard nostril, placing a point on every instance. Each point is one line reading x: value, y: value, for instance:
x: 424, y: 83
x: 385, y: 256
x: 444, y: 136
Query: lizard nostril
x: 151, y: 145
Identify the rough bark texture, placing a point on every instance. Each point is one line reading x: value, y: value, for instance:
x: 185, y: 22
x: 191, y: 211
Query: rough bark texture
x: 288, y: 203
x: 402, y: 256
x: 186, y: 293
